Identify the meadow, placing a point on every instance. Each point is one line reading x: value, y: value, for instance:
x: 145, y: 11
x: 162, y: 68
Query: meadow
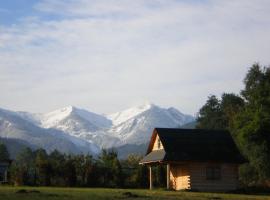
x: 53, y: 193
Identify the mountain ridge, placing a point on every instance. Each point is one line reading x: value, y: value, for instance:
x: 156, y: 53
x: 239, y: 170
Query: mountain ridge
x: 85, y: 131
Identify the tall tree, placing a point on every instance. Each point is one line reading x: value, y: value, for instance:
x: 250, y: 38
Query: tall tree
x: 69, y: 169
x: 135, y: 175
x: 57, y: 161
x: 210, y: 115
x: 23, y: 170
x: 219, y: 114
x: 4, y: 155
x: 252, y: 125
x: 230, y: 105
x: 43, y: 167
x: 111, y: 167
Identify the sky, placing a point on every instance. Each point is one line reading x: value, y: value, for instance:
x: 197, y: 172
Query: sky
x: 108, y: 55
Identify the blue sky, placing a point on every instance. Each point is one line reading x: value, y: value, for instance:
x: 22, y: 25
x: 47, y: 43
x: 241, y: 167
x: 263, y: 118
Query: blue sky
x: 14, y: 10
x: 107, y: 55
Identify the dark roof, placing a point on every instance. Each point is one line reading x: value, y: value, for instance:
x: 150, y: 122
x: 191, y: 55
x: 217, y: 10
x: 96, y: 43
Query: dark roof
x: 196, y: 145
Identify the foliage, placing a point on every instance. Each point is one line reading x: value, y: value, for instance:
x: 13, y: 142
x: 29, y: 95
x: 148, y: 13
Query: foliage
x: 136, y: 176
x: 38, y: 168
x: 219, y: 114
x: 23, y: 169
x: 248, y: 118
x: 252, y: 125
x: 111, y: 167
x: 4, y: 155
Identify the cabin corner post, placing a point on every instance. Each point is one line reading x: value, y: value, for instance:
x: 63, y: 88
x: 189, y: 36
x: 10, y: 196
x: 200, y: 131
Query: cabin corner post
x: 150, y: 178
x: 168, y: 176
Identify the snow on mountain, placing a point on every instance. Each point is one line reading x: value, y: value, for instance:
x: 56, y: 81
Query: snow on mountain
x: 135, y: 125
x: 120, y: 117
x: 81, y: 124
x: 95, y: 121
x: 14, y: 126
x: 80, y: 130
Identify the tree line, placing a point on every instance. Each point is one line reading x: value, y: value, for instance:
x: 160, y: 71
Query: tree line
x: 38, y: 168
x: 247, y: 116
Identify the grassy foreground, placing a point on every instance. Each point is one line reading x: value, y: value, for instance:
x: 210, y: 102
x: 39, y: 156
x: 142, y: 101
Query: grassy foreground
x: 49, y: 193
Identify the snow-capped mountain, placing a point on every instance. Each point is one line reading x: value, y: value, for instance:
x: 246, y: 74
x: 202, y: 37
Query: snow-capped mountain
x: 82, y: 131
x: 14, y: 126
x: 135, y: 125
x: 74, y: 119
x: 79, y: 123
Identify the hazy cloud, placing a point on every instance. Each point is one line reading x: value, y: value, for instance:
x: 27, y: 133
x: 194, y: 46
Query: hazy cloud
x: 106, y: 55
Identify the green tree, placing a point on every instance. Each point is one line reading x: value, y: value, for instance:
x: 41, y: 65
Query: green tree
x: 57, y: 161
x: 90, y: 171
x: 252, y: 124
x: 43, y: 167
x: 111, y: 169
x: 230, y: 105
x: 219, y: 114
x: 69, y: 170
x: 23, y: 171
x: 248, y: 118
x: 4, y: 155
x: 210, y: 115
x: 135, y: 175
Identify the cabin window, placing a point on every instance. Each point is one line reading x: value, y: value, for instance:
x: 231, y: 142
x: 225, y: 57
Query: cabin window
x: 213, y: 173
x: 158, y: 144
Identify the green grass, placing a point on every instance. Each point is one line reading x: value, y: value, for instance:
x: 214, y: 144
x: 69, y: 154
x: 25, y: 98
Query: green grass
x: 50, y: 193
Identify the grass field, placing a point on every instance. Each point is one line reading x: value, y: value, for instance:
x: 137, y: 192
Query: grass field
x: 49, y: 193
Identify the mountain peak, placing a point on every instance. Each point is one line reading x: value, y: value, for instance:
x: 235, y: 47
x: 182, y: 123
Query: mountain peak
x: 51, y: 118
x: 145, y: 106
x: 65, y: 110
x: 68, y: 108
x: 120, y: 117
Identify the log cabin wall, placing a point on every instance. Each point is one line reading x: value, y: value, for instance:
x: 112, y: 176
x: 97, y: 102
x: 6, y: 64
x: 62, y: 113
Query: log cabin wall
x: 194, y: 176
x: 179, y: 177
x: 199, y: 181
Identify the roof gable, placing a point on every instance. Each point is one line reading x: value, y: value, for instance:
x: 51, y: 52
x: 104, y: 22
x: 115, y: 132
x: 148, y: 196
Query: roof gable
x: 197, y: 145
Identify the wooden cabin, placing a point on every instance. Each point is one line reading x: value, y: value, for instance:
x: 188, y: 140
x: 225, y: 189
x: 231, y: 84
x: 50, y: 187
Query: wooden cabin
x: 4, y: 165
x: 196, y: 159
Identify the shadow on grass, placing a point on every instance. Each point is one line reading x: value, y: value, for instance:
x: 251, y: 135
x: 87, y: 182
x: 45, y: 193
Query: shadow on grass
x: 130, y: 195
x: 29, y: 192
x: 252, y: 191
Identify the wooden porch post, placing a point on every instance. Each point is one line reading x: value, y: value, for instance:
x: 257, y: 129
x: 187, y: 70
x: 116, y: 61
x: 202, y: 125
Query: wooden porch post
x: 168, y: 176
x: 150, y: 178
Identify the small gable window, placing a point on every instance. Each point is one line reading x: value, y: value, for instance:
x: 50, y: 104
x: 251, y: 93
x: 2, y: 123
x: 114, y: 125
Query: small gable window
x: 158, y: 144
x: 213, y: 173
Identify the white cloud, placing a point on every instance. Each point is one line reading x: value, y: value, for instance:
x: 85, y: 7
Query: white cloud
x: 106, y: 55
